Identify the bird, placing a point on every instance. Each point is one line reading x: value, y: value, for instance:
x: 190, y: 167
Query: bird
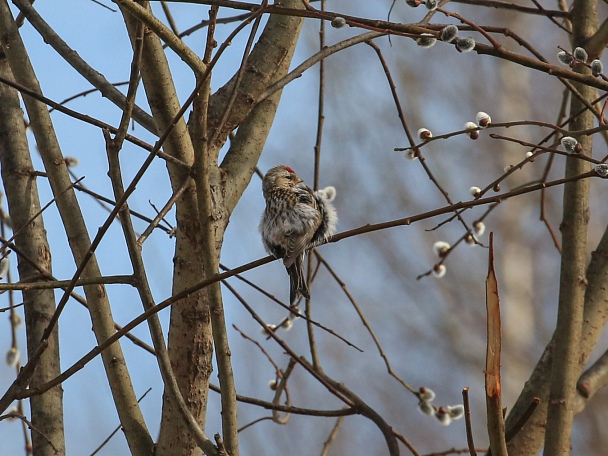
x: 296, y: 219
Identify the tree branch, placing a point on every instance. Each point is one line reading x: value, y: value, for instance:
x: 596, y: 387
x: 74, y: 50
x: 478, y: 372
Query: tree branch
x: 119, y: 380
x: 72, y: 58
x: 165, y: 34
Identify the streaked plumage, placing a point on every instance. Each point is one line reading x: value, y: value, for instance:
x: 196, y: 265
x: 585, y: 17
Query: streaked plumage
x: 295, y: 220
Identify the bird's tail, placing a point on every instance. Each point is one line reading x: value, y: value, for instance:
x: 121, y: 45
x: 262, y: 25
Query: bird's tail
x: 297, y: 282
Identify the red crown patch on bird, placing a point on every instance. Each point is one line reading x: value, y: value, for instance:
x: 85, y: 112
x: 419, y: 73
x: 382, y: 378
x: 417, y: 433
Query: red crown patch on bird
x: 289, y: 169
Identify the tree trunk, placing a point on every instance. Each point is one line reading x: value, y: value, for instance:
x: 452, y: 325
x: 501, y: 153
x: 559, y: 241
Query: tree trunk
x: 35, y: 256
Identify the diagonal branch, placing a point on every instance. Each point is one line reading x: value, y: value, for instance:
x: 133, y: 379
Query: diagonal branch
x: 106, y: 88
x: 165, y: 34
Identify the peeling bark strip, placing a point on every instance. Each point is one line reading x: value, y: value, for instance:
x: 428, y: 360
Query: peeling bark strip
x: 496, y: 424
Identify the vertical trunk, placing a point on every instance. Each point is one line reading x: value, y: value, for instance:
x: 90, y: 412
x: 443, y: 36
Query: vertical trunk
x: 565, y: 368
x: 197, y: 253
x: 555, y: 376
x: 39, y: 305
x: 190, y: 342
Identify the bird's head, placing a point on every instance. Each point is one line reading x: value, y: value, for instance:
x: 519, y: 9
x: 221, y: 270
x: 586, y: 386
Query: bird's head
x: 280, y: 176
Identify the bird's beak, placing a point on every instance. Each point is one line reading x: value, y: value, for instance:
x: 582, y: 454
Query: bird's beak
x: 298, y: 180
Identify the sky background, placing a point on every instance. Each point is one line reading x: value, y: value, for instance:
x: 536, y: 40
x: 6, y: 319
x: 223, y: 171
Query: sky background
x: 433, y: 330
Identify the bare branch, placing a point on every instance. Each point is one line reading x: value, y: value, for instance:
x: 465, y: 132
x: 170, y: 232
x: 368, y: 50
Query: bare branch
x: 165, y: 34
x: 467, y: 418
x: 94, y: 77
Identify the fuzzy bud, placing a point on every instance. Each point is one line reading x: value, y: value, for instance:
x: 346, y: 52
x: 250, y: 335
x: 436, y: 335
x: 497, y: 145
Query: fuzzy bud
x: 413, y: 3
x: 455, y: 411
x: 472, y: 130
x: 12, y: 357
x: 465, y: 44
x: 272, y: 384
x: 426, y: 408
x: 338, y: 22
x: 443, y: 416
x: 496, y: 188
x: 483, y: 119
x: 6, y: 219
x: 71, y: 162
x: 475, y: 192
x: 424, y: 134
x: 439, y: 270
x: 479, y: 227
x: 426, y: 40
x: 596, y: 67
x: 287, y: 325
x: 329, y: 193
x: 448, y: 33
x: 265, y: 330
x: 580, y: 54
x: 470, y: 240
x: 569, y: 144
x: 4, y: 265
x: 426, y: 394
x: 601, y: 170
x: 441, y: 248
x: 411, y: 154
x: 13, y: 412
x: 507, y: 168
x: 565, y: 58
x: 16, y: 320
x: 529, y: 154
x: 431, y: 5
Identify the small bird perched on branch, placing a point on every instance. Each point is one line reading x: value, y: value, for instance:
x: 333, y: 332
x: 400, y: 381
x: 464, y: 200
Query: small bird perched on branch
x: 296, y: 219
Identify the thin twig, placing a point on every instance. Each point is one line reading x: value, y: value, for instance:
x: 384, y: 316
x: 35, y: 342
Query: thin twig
x: 467, y: 421
x: 365, y: 322
x: 292, y: 310
x: 256, y: 421
x: 256, y: 343
x: 238, y: 78
x: 78, y: 63
x: 39, y: 213
x: 317, y: 165
x: 116, y: 429
x: 29, y: 425
x: 52, y: 284
x: 177, y: 194
x: 332, y: 436
x: 406, y: 442
x: 523, y: 419
x: 406, y: 129
x: 92, y: 121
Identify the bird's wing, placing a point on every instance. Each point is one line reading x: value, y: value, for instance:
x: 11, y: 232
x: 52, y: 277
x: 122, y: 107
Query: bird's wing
x: 296, y: 245
x: 306, y: 220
